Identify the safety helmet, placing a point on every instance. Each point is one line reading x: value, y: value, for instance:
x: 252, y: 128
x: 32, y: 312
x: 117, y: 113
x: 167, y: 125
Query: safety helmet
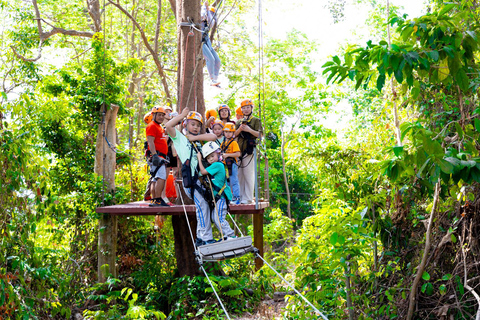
x: 246, y: 102
x: 212, y: 9
x: 239, y: 111
x: 211, y: 113
x: 193, y: 115
x: 168, y: 108
x: 148, y: 118
x: 223, y: 106
x: 209, y: 147
x: 230, y: 127
x: 214, y: 123
x: 158, y: 109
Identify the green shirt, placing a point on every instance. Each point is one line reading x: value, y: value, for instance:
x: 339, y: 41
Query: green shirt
x: 219, y: 178
x: 184, y: 149
x: 253, y: 123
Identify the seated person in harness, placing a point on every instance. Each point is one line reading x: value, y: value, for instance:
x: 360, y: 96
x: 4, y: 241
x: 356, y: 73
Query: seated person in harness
x: 187, y: 147
x: 221, y: 190
x: 156, y: 156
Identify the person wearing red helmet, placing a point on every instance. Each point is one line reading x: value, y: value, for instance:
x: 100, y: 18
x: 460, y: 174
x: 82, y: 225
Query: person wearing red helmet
x: 156, y: 154
x: 249, y: 129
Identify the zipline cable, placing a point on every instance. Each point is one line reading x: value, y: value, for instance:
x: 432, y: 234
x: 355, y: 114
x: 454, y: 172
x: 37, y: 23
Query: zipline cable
x: 104, y: 109
x: 293, y: 288
x: 186, y: 217
x: 218, y: 298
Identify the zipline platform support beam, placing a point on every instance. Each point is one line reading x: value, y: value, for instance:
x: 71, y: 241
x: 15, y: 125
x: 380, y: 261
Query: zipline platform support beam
x: 141, y: 208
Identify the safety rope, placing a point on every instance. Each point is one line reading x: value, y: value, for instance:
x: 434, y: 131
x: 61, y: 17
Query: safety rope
x: 104, y: 109
x: 186, y: 217
x: 218, y: 298
x: 292, y: 287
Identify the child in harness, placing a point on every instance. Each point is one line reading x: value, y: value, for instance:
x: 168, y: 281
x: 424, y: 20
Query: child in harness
x: 187, y: 147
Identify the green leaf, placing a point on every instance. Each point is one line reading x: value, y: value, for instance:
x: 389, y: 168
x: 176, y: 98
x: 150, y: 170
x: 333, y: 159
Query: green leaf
x: 442, y: 289
x: 398, y: 150
x: 446, y: 9
x: 336, y: 59
x: 447, y: 276
x: 380, y: 82
x: 459, y: 130
x: 334, y: 238
x: 234, y: 293
x: 445, y: 166
x: 433, y: 55
x: 477, y: 124
x: 425, y: 276
x: 462, y: 80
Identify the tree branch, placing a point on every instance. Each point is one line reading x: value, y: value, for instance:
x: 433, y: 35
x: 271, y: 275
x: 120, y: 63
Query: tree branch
x: 149, y: 48
x: 157, y: 26
x: 45, y: 35
x: 421, y: 267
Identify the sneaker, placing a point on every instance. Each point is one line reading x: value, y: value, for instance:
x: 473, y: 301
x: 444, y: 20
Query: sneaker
x: 230, y: 237
x: 211, y: 241
x: 147, y: 198
x: 244, y: 202
x: 237, y: 201
x: 158, y: 203
x: 199, y: 242
x: 215, y: 84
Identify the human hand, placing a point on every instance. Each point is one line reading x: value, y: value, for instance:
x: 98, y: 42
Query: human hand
x: 199, y: 156
x: 156, y: 160
x: 185, y: 111
x: 191, y: 137
x: 212, y: 118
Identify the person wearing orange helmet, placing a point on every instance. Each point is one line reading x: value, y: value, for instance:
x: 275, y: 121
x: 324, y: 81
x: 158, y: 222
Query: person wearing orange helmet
x: 156, y: 154
x: 238, y: 113
x: 231, y: 152
x: 187, y: 146
x: 249, y: 129
x: 224, y: 114
x: 217, y: 130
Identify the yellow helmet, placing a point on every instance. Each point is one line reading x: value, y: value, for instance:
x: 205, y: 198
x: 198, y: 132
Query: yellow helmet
x: 148, y: 118
x: 219, y: 122
x: 230, y: 127
x: 193, y: 115
x: 246, y: 102
x: 211, y: 113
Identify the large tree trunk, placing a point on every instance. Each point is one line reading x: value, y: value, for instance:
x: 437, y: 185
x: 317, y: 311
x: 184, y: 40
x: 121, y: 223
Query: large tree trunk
x: 190, y: 59
x: 105, y: 161
x: 190, y: 94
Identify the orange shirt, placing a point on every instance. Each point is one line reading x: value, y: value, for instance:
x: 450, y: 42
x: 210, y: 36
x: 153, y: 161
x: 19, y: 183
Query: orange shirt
x: 155, y: 130
x: 232, y: 147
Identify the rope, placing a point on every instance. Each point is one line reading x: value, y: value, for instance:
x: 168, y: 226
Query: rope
x: 218, y: 298
x: 292, y: 287
x: 186, y: 217
x: 103, y: 109
x: 215, y: 205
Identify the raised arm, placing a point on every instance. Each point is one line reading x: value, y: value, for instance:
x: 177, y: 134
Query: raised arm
x: 170, y: 125
x: 200, y: 164
x: 202, y: 137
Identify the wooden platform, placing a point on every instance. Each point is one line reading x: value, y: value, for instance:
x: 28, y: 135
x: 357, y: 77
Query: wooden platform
x: 141, y: 208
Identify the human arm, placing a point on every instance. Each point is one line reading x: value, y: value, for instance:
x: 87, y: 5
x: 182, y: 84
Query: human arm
x: 151, y: 144
x: 246, y: 128
x: 200, y: 164
x: 202, y: 137
x: 232, y: 155
x: 209, y: 121
x: 170, y: 125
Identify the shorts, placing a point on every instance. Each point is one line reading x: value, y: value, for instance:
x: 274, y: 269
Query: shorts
x: 161, y: 172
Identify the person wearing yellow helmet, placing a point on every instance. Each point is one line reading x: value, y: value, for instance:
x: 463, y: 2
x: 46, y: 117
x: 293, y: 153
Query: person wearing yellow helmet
x: 157, y: 154
x: 211, y: 57
x: 187, y: 146
x: 249, y: 129
x: 231, y: 153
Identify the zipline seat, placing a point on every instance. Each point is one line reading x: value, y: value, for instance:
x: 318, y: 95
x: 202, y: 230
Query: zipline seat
x: 223, y: 250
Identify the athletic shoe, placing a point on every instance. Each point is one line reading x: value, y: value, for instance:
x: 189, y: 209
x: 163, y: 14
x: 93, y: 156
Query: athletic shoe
x: 199, y: 242
x: 158, y: 203
x: 147, y: 198
x: 244, y: 202
x: 230, y: 237
x: 237, y: 201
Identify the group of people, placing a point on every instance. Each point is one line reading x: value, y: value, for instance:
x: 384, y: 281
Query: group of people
x: 215, y: 173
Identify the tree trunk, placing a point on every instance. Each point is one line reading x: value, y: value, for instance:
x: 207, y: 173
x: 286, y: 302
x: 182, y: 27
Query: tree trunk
x: 105, y: 162
x: 190, y: 94
x: 190, y: 59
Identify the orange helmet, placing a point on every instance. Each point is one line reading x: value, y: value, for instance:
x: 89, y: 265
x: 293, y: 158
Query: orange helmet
x: 246, y: 102
x: 214, y: 123
x: 230, y: 127
x: 212, y: 9
x: 158, y: 109
x: 211, y: 113
x: 239, y: 111
x: 193, y: 115
x: 223, y: 106
x: 148, y: 118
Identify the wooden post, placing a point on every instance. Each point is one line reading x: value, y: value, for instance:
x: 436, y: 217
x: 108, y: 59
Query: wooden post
x: 258, y: 237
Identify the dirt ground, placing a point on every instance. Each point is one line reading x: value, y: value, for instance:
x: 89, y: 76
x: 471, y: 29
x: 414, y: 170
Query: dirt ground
x: 268, y: 310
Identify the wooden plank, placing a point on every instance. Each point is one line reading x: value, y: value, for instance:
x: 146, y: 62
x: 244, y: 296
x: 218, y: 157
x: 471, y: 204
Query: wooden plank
x: 141, y: 208
x: 258, y: 237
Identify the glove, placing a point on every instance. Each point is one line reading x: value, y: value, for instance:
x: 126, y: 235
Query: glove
x: 156, y: 160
